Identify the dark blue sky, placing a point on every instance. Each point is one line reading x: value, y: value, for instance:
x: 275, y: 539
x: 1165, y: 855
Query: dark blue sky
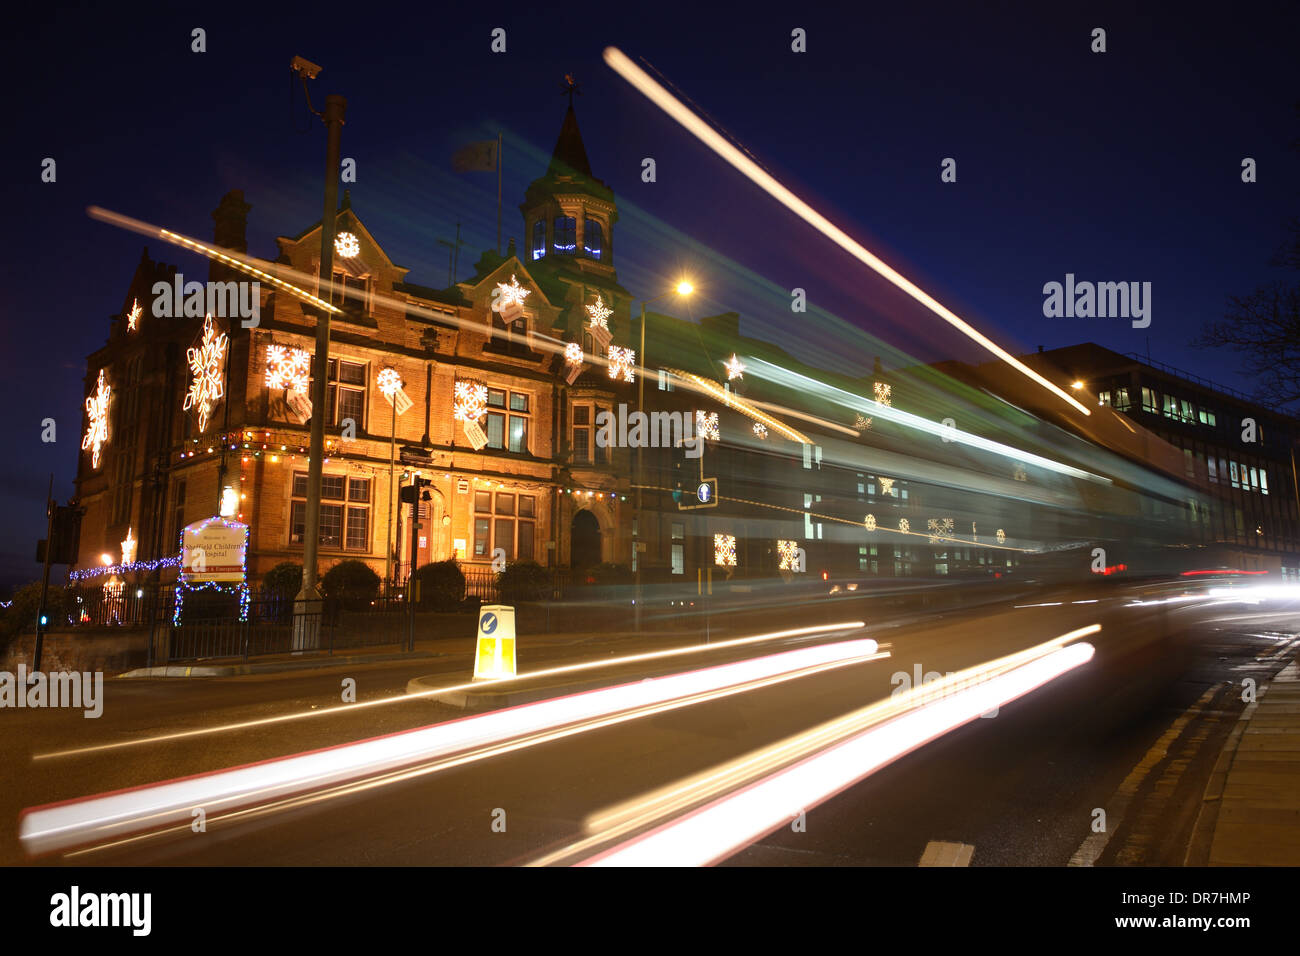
x: 1118, y: 166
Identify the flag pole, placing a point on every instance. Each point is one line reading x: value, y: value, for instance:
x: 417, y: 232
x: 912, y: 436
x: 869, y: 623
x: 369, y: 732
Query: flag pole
x: 498, y: 192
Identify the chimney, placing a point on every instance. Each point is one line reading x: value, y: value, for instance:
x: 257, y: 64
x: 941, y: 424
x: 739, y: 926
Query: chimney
x: 230, y: 227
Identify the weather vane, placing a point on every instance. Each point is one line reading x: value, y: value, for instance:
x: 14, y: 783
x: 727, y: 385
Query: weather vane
x: 570, y: 87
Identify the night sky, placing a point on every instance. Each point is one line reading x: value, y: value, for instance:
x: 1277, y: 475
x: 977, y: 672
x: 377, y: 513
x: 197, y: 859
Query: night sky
x: 1122, y: 166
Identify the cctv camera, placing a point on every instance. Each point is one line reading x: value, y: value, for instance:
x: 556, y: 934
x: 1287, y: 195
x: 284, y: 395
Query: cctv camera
x: 305, y: 67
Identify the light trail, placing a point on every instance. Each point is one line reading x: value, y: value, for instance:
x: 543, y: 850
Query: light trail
x: 900, y: 724
x: 112, y: 816
x: 644, y: 83
x: 857, y: 403
x: 451, y: 688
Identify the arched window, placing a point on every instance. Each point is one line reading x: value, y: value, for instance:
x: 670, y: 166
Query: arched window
x: 593, y: 238
x: 566, y: 236
x: 539, y: 239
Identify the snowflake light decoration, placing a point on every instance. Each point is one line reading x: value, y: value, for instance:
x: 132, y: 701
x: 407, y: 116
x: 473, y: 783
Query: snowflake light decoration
x: 573, y: 353
x: 1020, y: 474
x: 133, y: 317
x: 599, y: 313
x: 97, y: 420
x: 622, y: 362
x: 510, y: 295
x: 389, y: 382
x: 788, y: 555
x: 904, y: 525
x: 469, y: 401
x: 760, y: 429
x: 287, y: 367
x: 128, y: 548
x: 724, y: 550
x: 883, y: 393
x: 734, y: 368
x: 706, y: 424
x: 886, y: 485
x: 346, y: 245
x: 939, y: 528
x: 206, y: 363
x: 861, y: 423
x: 869, y: 522
x: 1002, y: 536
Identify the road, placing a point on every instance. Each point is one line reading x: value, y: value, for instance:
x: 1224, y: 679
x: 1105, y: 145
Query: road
x: 1022, y: 787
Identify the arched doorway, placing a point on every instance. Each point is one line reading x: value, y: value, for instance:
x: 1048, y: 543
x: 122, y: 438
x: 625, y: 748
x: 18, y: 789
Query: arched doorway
x: 585, y: 538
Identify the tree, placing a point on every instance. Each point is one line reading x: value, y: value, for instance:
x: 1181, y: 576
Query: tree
x: 352, y: 585
x: 1264, y: 327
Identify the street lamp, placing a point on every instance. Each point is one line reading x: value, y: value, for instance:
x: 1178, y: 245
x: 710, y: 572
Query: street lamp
x: 308, y: 603
x: 683, y: 289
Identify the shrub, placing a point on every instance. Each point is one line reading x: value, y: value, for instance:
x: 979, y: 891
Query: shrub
x: 523, y: 581
x: 20, y: 616
x: 285, y: 579
x: 351, y: 585
x: 441, y: 585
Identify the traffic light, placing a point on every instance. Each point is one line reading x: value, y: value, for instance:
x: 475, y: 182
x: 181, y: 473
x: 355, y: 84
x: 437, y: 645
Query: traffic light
x: 412, y: 493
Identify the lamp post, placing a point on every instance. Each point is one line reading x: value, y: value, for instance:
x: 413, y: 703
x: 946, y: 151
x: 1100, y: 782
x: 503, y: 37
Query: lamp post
x: 307, y: 632
x: 683, y: 289
x: 390, y: 383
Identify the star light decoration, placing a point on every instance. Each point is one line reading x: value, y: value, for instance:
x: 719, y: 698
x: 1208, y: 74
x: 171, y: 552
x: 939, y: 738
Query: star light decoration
x: 510, y: 295
x: 599, y: 313
x: 904, y: 525
x: 97, y: 420
x: 128, y: 548
x: 206, y: 364
x: 346, y: 245
x: 389, y: 381
x: 939, y: 529
x: 886, y: 485
x: 760, y: 429
x: 724, y: 550
x: 735, y: 369
x: 869, y: 522
x: 622, y: 362
x: 706, y: 424
x: 1002, y: 536
x: 287, y: 367
x: 788, y: 555
x: 469, y: 402
x: 133, y: 317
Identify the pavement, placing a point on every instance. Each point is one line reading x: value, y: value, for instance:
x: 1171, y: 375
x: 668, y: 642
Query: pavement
x: 1254, y: 796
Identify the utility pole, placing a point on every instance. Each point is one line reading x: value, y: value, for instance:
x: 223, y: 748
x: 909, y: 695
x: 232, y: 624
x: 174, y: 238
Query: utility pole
x: 306, y: 634
x: 45, y: 579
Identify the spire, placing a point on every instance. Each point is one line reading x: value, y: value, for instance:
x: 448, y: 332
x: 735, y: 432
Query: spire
x: 569, y: 155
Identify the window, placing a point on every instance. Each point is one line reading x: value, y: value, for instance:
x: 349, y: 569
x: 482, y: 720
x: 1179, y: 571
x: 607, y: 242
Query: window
x: 1206, y: 417
x: 868, y: 559
x: 349, y: 292
x: 346, y: 398
x: 1103, y: 397
x: 585, y: 446
x: 539, y: 239
x: 178, y: 511
x: 679, y: 547
x: 566, y: 235
x: 505, y: 521
x: 1214, y: 471
x: 592, y: 238
x: 1149, y: 400
x: 123, y: 486
x: 1170, y: 406
x: 344, y: 512
x: 665, y: 380
x: 508, y: 428
x: 1121, y: 401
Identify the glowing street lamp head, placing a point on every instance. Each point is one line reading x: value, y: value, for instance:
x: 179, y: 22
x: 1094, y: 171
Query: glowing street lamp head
x: 685, y: 288
x: 107, y: 559
x: 1077, y: 385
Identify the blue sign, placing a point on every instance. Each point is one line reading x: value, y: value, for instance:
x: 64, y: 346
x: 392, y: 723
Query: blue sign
x: 704, y: 492
x: 488, y: 624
